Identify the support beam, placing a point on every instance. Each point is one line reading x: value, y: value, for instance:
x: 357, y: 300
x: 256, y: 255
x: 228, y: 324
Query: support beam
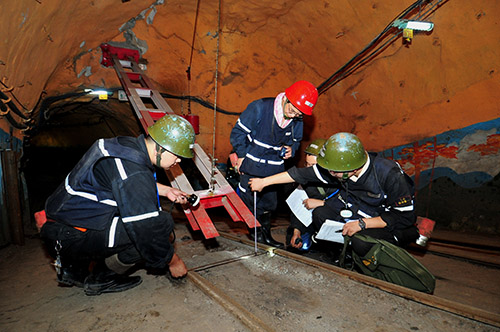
x: 12, y: 197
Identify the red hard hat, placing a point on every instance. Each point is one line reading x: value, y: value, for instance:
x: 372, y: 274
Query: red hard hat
x: 303, y: 95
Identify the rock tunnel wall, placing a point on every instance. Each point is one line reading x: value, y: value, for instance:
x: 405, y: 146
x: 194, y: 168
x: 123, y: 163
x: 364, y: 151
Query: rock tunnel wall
x: 405, y: 101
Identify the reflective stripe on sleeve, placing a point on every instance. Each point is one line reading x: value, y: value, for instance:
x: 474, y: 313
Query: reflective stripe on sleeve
x: 102, y: 148
x: 245, y: 128
x: 141, y: 216
x: 363, y: 214
x: 318, y: 174
x: 404, y: 208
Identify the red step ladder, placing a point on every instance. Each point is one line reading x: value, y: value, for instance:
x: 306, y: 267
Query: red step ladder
x: 140, y: 90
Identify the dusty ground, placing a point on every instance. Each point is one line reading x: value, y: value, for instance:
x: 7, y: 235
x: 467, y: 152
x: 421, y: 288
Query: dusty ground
x: 286, y: 295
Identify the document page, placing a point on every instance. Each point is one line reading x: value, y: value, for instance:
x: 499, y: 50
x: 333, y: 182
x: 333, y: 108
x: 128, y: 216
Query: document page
x: 331, y: 230
x: 294, y: 201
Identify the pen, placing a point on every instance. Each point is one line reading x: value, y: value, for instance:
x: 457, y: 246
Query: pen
x: 338, y: 231
x: 330, y: 196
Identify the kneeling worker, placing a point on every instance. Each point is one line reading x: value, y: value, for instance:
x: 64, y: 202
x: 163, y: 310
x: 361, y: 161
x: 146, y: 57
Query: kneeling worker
x: 375, y: 198
x: 108, y: 211
x: 298, y: 235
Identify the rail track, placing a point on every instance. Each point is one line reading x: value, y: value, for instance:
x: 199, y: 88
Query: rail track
x: 256, y: 324
x: 485, y: 255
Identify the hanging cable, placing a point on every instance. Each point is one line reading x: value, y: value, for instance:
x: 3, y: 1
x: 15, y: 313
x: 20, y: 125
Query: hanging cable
x: 188, y: 70
x: 9, y: 89
x: 364, y: 56
x: 199, y: 101
x: 4, y: 99
x: 212, y: 180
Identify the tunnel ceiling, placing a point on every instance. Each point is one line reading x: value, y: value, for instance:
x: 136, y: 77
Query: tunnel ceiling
x: 442, y: 80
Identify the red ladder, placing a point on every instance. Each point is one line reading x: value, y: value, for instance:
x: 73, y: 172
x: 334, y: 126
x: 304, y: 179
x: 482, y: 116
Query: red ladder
x: 139, y: 89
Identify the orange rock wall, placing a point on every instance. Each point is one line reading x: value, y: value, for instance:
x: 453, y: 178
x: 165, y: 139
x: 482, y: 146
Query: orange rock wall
x: 445, y: 80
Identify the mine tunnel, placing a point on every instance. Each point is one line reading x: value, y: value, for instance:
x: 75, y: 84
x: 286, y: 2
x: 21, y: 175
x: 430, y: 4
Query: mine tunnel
x: 424, y: 97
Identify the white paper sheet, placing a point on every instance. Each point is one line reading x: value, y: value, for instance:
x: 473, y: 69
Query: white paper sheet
x: 294, y: 201
x: 331, y: 230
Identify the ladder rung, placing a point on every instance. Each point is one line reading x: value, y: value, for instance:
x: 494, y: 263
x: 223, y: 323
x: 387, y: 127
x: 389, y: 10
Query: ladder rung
x: 145, y: 93
x: 126, y: 63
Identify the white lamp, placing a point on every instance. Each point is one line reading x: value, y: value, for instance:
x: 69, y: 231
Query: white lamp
x: 413, y: 25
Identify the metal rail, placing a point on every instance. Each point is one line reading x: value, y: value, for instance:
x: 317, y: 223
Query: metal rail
x: 250, y: 320
x: 410, y: 294
x: 463, y: 252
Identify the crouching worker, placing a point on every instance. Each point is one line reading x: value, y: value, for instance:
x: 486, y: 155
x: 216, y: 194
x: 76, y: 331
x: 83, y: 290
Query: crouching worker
x: 298, y: 235
x: 375, y: 196
x: 108, y: 211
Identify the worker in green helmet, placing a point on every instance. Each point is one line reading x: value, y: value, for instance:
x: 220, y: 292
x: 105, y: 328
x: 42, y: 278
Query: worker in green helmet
x: 298, y: 234
x: 107, y: 211
x: 375, y: 196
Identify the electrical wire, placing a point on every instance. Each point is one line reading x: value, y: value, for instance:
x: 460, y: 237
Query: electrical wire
x: 199, y: 101
x: 364, y: 56
x: 8, y: 101
x: 13, y: 95
x: 188, y: 70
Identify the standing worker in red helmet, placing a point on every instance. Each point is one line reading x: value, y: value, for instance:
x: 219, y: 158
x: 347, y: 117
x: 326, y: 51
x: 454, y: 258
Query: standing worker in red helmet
x: 266, y: 133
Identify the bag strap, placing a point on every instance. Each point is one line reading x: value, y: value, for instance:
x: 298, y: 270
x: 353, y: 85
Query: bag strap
x: 347, y: 241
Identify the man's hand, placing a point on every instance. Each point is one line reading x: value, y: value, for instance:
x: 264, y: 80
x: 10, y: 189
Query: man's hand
x: 351, y: 228
x: 177, y: 196
x: 288, y: 153
x: 312, y: 203
x: 238, y: 164
x: 177, y: 267
x: 173, y: 194
x: 256, y: 184
x: 295, y: 236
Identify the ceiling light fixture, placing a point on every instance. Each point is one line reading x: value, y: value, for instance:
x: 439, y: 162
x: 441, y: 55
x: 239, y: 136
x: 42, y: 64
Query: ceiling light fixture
x: 413, y: 25
x: 103, y: 94
x: 408, y: 26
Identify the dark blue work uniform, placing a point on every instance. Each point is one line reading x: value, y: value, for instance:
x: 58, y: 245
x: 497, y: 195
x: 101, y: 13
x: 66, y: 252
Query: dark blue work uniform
x: 109, y: 204
x: 383, y: 190
x: 258, y: 138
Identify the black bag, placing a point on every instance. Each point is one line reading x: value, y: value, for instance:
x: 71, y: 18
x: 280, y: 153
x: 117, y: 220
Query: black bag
x: 391, y: 263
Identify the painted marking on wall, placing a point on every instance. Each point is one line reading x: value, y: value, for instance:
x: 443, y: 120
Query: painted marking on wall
x: 468, y: 156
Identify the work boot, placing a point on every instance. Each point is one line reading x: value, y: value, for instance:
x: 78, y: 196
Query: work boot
x: 103, y: 280
x: 264, y: 232
x: 73, y: 274
x: 268, y: 238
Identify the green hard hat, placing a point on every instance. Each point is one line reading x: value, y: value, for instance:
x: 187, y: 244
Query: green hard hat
x: 175, y: 134
x: 342, y: 152
x: 315, y: 146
